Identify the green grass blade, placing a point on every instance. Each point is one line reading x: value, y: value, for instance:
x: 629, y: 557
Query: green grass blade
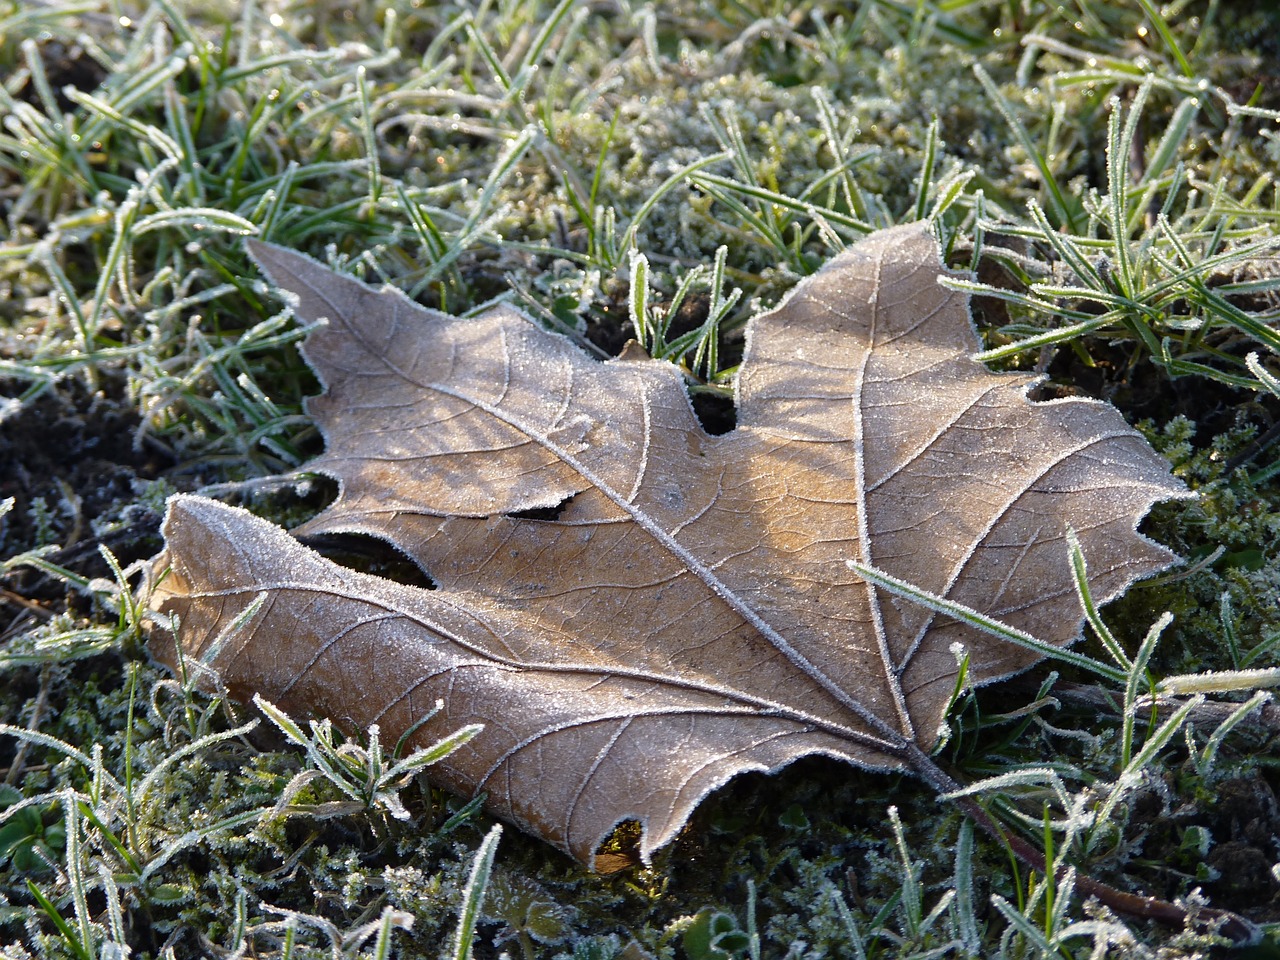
x: 1058, y: 198
x: 1166, y: 36
x: 473, y: 895
x: 981, y: 621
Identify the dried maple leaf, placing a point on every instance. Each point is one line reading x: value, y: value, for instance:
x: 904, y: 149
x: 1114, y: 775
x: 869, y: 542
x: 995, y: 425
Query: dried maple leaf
x: 693, y: 611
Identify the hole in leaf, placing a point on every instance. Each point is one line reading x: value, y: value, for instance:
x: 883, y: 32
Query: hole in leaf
x: 715, y: 411
x: 542, y: 513
x: 621, y: 849
x: 372, y: 555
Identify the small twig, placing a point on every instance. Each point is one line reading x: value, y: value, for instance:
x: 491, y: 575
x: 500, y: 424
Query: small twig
x: 1253, y: 451
x: 1209, y: 713
x: 1225, y: 923
x: 1204, y: 563
x: 37, y: 714
x: 17, y: 599
x: 255, y: 484
x: 1236, y: 928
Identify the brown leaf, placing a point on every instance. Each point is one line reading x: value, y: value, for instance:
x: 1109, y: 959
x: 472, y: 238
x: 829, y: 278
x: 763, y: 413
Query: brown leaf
x: 691, y: 612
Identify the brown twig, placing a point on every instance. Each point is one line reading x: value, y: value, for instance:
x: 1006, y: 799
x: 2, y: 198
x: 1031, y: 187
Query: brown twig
x: 1236, y: 928
x: 37, y: 714
x: 17, y: 599
x: 1253, y: 451
x: 1209, y: 713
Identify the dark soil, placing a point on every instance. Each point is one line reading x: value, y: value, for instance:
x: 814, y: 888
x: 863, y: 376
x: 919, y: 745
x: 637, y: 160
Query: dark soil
x: 71, y: 453
x: 1245, y: 820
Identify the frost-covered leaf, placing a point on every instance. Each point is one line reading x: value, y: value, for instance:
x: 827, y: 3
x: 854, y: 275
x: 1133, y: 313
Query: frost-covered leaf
x: 691, y: 611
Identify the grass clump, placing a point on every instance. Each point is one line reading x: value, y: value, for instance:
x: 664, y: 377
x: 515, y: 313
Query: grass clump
x: 652, y: 171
